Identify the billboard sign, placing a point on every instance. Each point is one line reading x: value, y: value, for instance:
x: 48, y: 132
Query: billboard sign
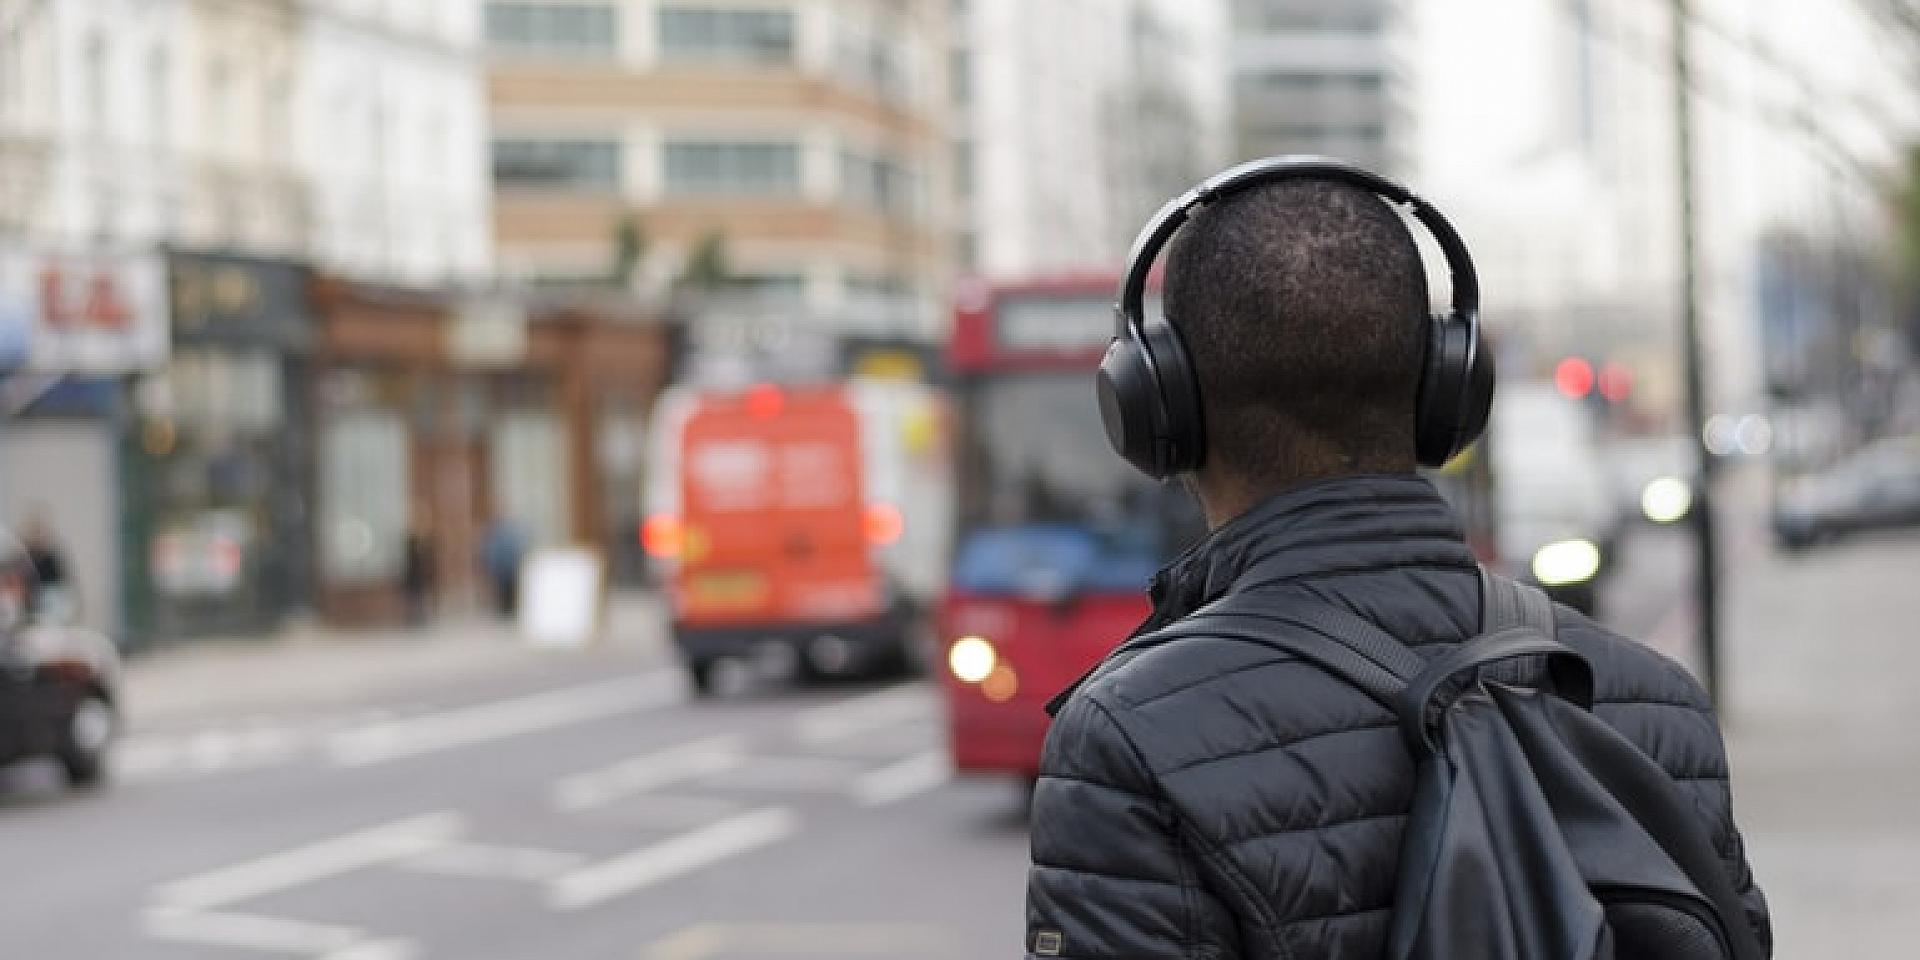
x: 86, y: 313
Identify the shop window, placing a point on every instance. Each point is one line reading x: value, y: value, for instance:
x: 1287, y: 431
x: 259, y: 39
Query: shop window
x: 363, y: 496
x: 529, y: 474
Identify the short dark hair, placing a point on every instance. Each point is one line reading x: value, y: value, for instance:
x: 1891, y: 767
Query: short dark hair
x: 1301, y: 303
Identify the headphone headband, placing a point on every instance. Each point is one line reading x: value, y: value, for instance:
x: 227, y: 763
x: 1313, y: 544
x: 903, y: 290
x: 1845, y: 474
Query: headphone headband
x: 1160, y: 230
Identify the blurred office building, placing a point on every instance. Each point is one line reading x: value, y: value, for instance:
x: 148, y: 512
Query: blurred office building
x: 1557, y: 154
x: 1074, y: 121
x: 1331, y: 77
x: 788, y: 156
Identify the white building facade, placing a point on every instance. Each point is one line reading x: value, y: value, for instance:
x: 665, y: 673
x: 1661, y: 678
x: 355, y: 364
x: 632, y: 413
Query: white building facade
x: 1075, y: 120
x: 350, y: 133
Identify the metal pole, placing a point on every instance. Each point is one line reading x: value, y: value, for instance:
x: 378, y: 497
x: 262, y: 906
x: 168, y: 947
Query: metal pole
x: 1707, y: 573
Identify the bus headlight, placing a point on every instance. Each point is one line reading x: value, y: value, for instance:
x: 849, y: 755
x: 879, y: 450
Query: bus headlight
x: 1666, y: 500
x: 1566, y: 562
x: 972, y: 659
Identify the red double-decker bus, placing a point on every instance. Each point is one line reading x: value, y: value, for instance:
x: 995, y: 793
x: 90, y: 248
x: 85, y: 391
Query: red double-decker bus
x: 1056, y: 537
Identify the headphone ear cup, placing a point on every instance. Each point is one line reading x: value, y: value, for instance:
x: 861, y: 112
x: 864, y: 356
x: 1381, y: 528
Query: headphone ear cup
x: 1482, y: 376
x: 1443, y: 414
x: 1184, y: 439
x: 1126, y: 392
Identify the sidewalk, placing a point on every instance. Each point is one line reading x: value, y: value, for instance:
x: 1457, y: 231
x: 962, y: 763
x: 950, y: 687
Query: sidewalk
x: 316, y: 667
x: 1822, y: 709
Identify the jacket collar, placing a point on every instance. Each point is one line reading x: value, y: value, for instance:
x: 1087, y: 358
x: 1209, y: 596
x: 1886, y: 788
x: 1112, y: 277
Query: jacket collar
x: 1346, y: 524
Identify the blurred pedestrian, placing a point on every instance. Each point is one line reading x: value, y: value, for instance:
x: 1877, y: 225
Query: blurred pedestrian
x: 47, y: 564
x: 417, y: 576
x: 501, y: 552
x: 1229, y: 789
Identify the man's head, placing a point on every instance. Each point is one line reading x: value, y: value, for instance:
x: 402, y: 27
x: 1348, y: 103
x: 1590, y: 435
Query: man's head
x: 1302, y: 304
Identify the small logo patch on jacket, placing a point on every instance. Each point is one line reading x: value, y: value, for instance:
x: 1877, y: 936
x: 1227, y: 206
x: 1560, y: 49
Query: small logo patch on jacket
x: 1046, y: 943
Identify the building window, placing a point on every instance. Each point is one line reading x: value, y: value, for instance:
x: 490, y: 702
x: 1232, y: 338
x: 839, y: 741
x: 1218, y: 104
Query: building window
x: 96, y: 80
x: 593, y: 164
x: 878, y: 183
x: 705, y: 168
x: 730, y: 34
x: 364, y: 486
x: 553, y: 29
x: 160, y: 113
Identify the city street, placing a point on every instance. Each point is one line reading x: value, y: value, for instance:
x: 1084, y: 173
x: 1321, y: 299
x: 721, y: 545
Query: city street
x: 584, y: 807
x: 579, y: 807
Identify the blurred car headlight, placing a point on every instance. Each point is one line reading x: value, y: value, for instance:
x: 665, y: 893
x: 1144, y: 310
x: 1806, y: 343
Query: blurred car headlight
x: 1666, y: 500
x: 1566, y: 562
x: 972, y: 659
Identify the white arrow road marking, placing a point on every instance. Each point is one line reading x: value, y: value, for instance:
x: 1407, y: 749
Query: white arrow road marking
x: 487, y: 862
x: 486, y: 722
x: 596, y: 884
x: 898, y: 781
x: 247, y: 932
x: 376, y: 950
x: 836, y: 940
x: 873, y: 711
x: 318, y: 861
x: 688, y: 761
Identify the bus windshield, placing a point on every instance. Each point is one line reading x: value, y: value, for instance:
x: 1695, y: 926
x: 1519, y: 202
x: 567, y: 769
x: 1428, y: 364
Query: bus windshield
x: 1046, y: 507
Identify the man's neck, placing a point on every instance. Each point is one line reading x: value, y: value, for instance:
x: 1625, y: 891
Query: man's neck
x: 1224, y: 496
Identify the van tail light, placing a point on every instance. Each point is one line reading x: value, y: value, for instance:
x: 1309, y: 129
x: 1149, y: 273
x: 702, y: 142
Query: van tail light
x: 884, y: 524
x: 662, y: 536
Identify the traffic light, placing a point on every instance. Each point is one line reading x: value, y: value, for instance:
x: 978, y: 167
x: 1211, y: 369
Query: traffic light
x: 1574, y: 377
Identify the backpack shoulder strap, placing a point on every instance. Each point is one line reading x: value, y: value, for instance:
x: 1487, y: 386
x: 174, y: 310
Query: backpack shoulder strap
x: 1343, y: 644
x: 1506, y: 603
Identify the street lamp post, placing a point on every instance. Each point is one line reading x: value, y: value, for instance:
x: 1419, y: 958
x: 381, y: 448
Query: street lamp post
x: 1708, y: 569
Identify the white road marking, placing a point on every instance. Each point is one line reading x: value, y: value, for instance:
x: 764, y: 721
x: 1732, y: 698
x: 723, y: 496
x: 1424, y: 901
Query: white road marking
x: 801, y: 774
x: 499, y: 720
x: 689, y: 761
x: 596, y: 884
x: 898, y: 781
x: 849, y: 718
x: 836, y: 940
x: 376, y: 950
x: 317, y: 861
x: 484, y: 862
x: 247, y: 932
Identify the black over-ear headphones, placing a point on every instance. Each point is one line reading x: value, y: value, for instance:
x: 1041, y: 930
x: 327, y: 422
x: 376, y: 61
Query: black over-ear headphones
x: 1150, y: 393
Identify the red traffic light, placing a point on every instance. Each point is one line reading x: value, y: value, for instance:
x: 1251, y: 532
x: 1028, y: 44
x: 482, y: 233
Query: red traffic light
x: 1574, y: 377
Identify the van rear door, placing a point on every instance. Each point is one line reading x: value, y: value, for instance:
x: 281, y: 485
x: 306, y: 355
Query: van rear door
x: 773, y: 510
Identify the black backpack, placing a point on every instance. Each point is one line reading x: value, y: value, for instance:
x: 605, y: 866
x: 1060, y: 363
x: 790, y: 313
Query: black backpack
x: 1537, y: 831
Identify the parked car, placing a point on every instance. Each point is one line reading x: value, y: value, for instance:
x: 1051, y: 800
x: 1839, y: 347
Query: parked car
x: 1878, y: 486
x: 59, y: 682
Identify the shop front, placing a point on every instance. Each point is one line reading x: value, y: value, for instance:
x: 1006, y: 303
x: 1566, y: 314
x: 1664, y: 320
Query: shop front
x: 445, y: 418
x: 73, y: 328
x: 225, y: 450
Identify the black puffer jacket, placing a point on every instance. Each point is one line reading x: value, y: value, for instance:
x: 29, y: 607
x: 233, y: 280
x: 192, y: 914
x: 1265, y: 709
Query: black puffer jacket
x: 1208, y: 799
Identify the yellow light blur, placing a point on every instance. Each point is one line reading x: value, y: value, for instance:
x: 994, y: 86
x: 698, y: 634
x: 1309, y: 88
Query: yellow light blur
x: 1001, y: 684
x: 1666, y: 500
x: 972, y: 659
x: 1565, y: 563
